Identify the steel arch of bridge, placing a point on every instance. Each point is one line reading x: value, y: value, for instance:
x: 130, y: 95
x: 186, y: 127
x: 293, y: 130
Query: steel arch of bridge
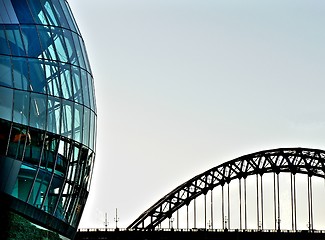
x: 291, y: 160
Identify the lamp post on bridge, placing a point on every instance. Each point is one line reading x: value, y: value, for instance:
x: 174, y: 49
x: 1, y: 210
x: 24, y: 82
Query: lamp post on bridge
x: 171, y: 220
x: 116, y: 219
x: 225, y: 223
x: 106, y: 221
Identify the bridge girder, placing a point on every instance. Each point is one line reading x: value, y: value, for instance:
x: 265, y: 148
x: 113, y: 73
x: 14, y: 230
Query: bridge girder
x: 292, y: 160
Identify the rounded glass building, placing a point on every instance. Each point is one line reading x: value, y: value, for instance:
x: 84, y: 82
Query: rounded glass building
x: 47, y: 115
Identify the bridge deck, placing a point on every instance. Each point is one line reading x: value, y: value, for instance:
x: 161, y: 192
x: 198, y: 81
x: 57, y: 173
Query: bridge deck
x: 197, y: 234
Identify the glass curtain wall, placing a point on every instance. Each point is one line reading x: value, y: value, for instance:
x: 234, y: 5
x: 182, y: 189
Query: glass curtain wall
x: 47, y: 109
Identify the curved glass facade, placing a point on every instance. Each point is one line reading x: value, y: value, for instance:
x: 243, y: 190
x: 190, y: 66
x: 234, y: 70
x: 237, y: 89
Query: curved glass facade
x: 47, y: 113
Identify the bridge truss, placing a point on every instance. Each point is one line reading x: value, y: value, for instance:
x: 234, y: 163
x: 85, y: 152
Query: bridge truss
x: 310, y: 162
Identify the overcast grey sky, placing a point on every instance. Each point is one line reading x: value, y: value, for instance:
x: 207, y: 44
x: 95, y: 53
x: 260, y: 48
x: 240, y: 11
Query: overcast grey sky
x: 185, y: 85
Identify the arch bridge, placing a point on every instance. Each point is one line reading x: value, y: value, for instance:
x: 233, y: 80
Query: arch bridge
x: 291, y: 161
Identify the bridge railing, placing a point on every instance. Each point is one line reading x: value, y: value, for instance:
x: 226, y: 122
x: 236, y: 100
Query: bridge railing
x: 194, y: 230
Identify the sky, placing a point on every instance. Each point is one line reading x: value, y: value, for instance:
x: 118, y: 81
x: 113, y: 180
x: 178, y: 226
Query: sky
x: 185, y: 85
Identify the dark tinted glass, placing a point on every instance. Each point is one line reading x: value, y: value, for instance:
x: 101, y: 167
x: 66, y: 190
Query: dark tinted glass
x: 6, y: 101
x: 5, y: 71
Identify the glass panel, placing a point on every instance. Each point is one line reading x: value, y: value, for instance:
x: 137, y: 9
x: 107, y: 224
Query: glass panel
x: 83, y: 164
x: 64, y: 153
x: 59, y: 42
x: 67, y: 119
x: 46, y: 42
x: 54, y: 191
x: 91, y: 92
x: 49, y: 11
x: 84, y: 53
x: 95, y: 133
x: 22, y: 11
x: 21, y: 107
x: 51, y: 146
x: 54, y: 115
x: 59, y: 212
x: 37, y: 75
x: 71, y: 51
x: 53, y: 78
x: 78, y: 50
x: 69, y: 16
x: 79, y: 208
x: 19, y: 137
x: 6, y: 101
x: 68, y: 196
x: 24, y: 182
x: 32, y: 156
x: 85, y: 88
x: 37, y: 12
x: 4, y: 46
x: 15, y: 41
x: 38, y: 111
x: 33, y: 151
x: 59, y: 12
x: 20, y: 73
x: 86, y: 174
x: 93, y: 95
x: 66, y: 84
x: 4, y: 18
x: 79, y: 191
x: 71, y: 202
x: 91, y: 133
x: 91, y: 168
x: 5, y: 71
x: 78, y: 118
x: 10, y: 13
x: 31, y: 41
x: 86, y: 126
x: 39, y: 190
x: 77, y: 90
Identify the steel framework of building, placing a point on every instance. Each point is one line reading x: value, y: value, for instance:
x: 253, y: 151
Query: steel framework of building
x: 291, y: 160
